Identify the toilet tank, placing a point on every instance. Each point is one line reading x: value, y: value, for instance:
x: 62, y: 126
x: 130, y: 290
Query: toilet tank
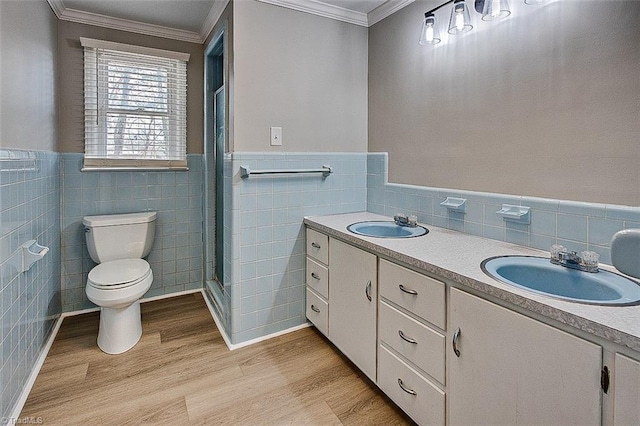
x: 119, y: 236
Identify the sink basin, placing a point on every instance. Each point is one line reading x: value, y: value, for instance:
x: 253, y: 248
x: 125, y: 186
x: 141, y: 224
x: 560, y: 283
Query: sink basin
x: 386, y: 229
x: 539, y: 275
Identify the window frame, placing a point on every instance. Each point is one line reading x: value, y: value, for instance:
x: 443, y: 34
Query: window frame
x: 97, y: 108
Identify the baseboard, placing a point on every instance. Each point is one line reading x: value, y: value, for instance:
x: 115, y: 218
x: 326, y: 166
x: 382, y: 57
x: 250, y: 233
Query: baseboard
x: 269, y: 336
x: 143, y: 300
x: 235, y: 346
x: 17, y: 409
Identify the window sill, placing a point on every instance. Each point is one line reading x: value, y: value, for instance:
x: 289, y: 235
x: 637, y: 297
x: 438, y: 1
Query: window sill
x: 134, y: 169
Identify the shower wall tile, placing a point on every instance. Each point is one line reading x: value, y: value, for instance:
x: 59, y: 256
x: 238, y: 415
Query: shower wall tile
x: 29, y: 301
x: 576, y: 225
x: 176, y: 257
x: 267, y: 281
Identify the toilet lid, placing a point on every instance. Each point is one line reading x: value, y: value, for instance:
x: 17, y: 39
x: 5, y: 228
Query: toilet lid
x: 119, y: 273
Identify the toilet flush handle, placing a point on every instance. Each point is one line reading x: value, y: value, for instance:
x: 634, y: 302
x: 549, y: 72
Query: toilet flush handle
x: 87, y: 230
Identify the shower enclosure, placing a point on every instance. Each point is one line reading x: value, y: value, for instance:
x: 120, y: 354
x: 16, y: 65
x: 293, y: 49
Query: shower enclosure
x: 214, y: 149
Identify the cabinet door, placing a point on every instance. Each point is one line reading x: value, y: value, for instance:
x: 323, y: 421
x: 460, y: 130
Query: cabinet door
x: 626, y: 407
x: 513, y: 370
x: 353, y: 297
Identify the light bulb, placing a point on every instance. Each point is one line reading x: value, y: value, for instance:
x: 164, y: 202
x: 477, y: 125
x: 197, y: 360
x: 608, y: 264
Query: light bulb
x: 460, y: 21
x: 429, y: 33
x: 494, y: 9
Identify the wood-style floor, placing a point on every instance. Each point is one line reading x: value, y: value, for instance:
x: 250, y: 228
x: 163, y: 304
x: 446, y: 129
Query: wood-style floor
x: 181, y: 372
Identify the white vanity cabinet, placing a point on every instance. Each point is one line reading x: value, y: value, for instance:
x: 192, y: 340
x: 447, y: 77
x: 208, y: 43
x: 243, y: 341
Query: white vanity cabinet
x: 353, y: 288
x: 317, y: 278
x: 626, y: 388
x: 511, y: 369
x: 411, y: 350
x: 447, y: 357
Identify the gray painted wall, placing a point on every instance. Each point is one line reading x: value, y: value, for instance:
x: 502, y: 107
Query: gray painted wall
x: 70, y: 55
x: 304, y: 73
x: 27, y: 76
x: 29, y: 191
x: 545, y: 103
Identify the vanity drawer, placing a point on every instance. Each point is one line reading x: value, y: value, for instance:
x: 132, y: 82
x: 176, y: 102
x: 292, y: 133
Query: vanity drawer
x: 420, y: 399
x: 318, y: 246
x: 318, y: 277
x: 419, y: 294
x: 428, y: 350
x: 318, y: 312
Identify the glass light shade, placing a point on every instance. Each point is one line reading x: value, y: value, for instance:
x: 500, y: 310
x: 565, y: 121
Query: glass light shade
x: 460, y: 21
x: 429, y: 33
x: 495, y: 9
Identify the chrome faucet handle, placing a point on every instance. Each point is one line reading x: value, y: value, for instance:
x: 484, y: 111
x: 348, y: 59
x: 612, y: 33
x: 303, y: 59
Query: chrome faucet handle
x: 569, y: 256
x: 401, y: 219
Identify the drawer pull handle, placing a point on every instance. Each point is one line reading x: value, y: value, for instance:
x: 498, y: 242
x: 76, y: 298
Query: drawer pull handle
x: 314, y: 309
x: 456, y: 336
x: 315, y: 276
x: 367, y: 290
x: 407, y: 339
x: 315, y: 245
x: 412, y: 292
x: 406, y: 389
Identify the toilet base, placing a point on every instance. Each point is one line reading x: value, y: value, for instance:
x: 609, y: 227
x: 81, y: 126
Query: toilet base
x: 120, y: 329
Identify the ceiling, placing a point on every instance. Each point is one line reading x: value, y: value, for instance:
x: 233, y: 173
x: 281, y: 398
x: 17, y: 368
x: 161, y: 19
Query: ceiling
x: 192, y: 20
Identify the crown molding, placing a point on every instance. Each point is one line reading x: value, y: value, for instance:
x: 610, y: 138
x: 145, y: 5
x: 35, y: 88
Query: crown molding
x: 212, y: 18
x: 386, y: 9
x: 99, y: 20
x: 57, y: 7
x: 315, y: 7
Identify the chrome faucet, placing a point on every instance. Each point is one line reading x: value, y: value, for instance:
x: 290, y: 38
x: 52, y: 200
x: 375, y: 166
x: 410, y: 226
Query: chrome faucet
x: 587, y: 262
x: 405, y: 220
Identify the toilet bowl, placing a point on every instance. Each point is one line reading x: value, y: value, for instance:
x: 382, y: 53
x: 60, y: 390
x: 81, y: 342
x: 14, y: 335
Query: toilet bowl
x: 117, y: 286
x: 118, y: 243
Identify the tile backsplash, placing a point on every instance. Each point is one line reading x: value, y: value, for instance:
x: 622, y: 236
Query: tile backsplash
x: 576, y: 225
x: 29, y: 301
x: 176, y: 256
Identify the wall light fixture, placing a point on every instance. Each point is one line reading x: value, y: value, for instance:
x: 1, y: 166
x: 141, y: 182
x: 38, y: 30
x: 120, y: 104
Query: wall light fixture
x: 460, y: 21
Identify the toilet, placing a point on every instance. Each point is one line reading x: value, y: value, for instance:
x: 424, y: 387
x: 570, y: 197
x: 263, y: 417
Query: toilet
x: 118, y: 244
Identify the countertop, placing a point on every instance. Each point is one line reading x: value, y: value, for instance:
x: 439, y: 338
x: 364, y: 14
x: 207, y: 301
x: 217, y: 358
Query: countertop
x: 457, y: 257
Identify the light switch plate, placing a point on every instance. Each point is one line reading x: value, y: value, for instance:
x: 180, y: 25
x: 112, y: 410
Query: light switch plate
x: 276, y: 136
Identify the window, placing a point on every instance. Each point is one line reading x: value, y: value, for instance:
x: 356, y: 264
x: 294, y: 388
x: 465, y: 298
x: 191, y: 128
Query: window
x: 135, y: 106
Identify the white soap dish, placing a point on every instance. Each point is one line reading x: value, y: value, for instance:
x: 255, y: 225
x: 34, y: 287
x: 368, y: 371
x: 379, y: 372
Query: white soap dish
x: 517, y: 214
x: 453, y: 204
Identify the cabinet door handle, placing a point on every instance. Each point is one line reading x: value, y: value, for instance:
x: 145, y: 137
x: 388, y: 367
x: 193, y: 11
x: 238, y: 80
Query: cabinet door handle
x: 315, y: 276
x: 315, y: 245
x: 367, y: 290
x: 406, y: 389
x: 314, y: 309
x: 407, y: 339
x: 412, y: 292
x: 604, y: 379
x: 456, y: 336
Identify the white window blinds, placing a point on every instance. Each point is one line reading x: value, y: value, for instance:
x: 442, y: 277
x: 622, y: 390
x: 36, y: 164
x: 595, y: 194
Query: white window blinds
x: 135, y: 106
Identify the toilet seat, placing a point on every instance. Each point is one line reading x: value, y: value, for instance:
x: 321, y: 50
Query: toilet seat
x: 119, y: 274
